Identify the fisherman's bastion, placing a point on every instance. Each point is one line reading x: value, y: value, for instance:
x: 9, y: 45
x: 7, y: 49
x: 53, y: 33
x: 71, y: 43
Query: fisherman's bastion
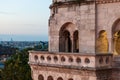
x: 84, y: 42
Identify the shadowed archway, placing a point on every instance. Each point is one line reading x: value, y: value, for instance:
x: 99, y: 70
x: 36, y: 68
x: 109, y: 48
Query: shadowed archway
x: 102, y: 45
x: 66, y: 38
x: 75, y: 41
x: 50, y: 78
x: 65, y: 42
x: 40, y: 77
x: 60, y: 78
x: 116, y: 37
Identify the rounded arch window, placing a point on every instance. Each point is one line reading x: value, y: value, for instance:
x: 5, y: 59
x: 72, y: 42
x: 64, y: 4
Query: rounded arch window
x: 76, y: 41
x: 107, y: 60
x: 50, y: 78
x: 63, y: 59
x: 70, y: 79
x: 60, y: 78
x: 70, y: 59
x: 42, y: 58
x: 40, y: 77
x: 78, y: 60
x: 55, y: 58
x: 49, y: 58
x: 87, y: 61
x: 101, y: 60
x: 65, y: 42
x: 36, y: 57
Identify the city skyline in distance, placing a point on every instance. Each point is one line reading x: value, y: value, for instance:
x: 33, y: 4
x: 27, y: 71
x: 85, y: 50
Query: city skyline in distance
x: 25, y: 20
x: 24, y: 37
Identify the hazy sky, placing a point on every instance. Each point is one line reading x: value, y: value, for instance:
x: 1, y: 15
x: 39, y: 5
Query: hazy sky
x: 24, y: 17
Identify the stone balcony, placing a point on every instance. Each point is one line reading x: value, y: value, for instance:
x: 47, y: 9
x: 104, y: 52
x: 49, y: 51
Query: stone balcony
x: 71, y: 60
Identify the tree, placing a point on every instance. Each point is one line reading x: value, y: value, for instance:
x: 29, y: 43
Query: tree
x: 17, y: 68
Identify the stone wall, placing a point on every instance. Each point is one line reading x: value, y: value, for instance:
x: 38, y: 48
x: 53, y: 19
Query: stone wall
x: 70, y: 66
x: 83, y: 19
x: 65, y: 74
x: 107, y: 15
x: 88, y: 19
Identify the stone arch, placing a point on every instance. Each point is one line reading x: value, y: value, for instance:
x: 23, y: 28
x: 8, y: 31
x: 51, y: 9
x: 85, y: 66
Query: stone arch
x: 66, y: 37
x: 67, y: 26
x: 60, y: 78
x: 50, y: 78
x: 116, y: 26
x: 110, y: 23
x: 40, y: 77
x: 102, y: 45
x: 75, y: 41
x: 70, y: 79
x: 116, y: 37
x: 65, y: 42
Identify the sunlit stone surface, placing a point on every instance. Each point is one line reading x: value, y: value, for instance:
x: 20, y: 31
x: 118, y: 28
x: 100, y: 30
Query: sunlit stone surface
x: 84, y: 42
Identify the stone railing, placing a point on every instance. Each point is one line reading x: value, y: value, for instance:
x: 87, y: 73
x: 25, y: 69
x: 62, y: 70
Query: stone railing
x: 70, y: 60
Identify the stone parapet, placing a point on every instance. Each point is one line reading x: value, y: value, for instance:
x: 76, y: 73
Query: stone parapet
x: 116, y: 62
x: 106, y: 1
x: 71, y: 60
x: 116, y: 68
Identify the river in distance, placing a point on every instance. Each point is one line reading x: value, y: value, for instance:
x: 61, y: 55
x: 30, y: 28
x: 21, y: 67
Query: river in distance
x: 1, y: 65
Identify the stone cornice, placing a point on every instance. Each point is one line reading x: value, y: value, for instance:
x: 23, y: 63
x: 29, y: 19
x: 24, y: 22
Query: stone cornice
x: 106, y: 1
x: 65, y: 53
x: 81, y: 3
x: 70, y: 67
x: 59, y: 4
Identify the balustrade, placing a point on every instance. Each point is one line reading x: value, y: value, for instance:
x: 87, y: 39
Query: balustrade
x: 76, y: 60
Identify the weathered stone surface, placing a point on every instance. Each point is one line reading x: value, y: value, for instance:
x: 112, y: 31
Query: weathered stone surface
x: 89, y: 66
x: 76, y: 42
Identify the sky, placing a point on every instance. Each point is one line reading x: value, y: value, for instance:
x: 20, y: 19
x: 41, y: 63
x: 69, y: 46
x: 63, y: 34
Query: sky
x: 24, y: 20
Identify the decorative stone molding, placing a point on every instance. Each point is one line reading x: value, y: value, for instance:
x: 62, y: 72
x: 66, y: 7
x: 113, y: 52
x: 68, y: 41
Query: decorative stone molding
x: 106, y: 1
x: 71, y: 60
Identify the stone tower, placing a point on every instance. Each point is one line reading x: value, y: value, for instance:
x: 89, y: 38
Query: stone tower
x: 84, y: 42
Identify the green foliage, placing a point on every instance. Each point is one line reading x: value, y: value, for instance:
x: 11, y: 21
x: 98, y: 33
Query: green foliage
x: 37, y: 47
x: 43, y: 47
x: 17, y: 67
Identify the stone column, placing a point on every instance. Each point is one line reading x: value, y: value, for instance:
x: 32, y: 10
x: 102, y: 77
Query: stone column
x: 72, y: 43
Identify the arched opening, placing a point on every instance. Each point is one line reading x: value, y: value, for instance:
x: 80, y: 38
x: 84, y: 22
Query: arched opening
x: 60, y: 78
x: 102, y: 42
x: 50, y: 78
x: 65, y: 37
x: 75, y: 41
x: 70, y: 79
x: 35, y: 57
x: 116, y: 43
x: 63, y: 59
x: 116, y: 37
x: 65, y: 42
x: 40, y: 77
